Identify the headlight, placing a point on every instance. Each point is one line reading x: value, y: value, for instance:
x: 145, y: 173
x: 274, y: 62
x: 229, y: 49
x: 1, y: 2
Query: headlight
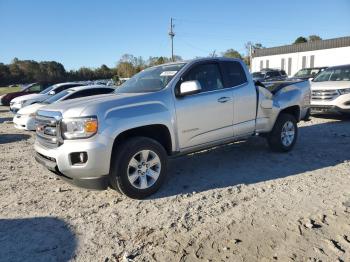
x: 32, y: 115
x: 344, y: 91
x: 22, y: 102
x: 82, y: 127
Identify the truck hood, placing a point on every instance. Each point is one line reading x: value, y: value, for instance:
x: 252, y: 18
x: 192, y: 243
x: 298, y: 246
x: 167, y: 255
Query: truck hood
x: 36, y: 97
x: 30, y: 109
x: 330, y: 85
x: 91, y: 105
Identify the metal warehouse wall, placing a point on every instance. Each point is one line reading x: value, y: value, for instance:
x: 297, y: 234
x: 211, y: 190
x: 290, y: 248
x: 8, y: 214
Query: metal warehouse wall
x: 326, y: 57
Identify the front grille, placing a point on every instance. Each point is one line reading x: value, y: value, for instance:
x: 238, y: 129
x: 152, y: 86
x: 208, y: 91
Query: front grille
x: 48, y: 130
x: 324, y: 94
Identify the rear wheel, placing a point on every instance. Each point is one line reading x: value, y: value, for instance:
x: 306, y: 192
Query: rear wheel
x: 139, y: 167
x: 284, y: 134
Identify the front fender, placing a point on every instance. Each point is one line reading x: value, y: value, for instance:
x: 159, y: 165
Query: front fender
x: 120, y: 119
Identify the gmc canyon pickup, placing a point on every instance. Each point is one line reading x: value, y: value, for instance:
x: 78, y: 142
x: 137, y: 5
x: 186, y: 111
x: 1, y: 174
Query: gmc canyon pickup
x: 123, y: 139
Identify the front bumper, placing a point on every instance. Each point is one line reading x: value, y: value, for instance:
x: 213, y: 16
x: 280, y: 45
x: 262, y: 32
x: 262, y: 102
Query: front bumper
x: 93, y: 174
x: 24, y: 122
x: 14, y: 108
x: 328, y: 110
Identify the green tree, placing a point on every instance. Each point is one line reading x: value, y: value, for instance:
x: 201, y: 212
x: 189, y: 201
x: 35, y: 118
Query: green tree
x: 125, y: 69
x: 103, y: 72
x: 313, y: 38
x: 153, y: 61
x: 115, y: 79
x: 5, y: 76
x: 300, y: 40
x: 232, y: 54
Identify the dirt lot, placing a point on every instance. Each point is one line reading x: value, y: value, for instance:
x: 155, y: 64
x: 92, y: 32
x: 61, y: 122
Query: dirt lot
x: 236, y: 203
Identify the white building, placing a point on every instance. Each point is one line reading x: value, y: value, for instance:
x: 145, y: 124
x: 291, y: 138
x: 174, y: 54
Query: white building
x: 292, y: 58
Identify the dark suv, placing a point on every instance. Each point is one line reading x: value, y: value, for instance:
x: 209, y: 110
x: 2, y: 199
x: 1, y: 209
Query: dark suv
x: 267, y: 75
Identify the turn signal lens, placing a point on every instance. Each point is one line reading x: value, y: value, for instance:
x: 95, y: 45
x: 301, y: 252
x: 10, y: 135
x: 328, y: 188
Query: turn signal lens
x: 91, y: 126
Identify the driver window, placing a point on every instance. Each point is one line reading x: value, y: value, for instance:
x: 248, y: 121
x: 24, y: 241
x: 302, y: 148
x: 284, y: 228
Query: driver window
x: 208, y: 75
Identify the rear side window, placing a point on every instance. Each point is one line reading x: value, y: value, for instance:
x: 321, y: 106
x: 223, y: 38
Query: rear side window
x: 234, y: 73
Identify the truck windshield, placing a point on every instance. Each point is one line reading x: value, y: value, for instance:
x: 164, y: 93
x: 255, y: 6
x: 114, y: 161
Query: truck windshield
x: 307, y: 72
x: 150, y: 80
x: 303, y: 72
x: 334, y: 74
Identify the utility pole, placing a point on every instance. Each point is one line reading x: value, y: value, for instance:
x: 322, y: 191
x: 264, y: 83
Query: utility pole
x: 251, y: 56
x: 172, y: 34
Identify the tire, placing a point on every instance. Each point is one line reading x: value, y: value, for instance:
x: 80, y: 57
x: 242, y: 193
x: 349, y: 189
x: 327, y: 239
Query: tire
x: 132, y: 178
x: 279, y: 142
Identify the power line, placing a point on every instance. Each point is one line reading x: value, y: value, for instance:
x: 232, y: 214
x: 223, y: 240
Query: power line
x: 193, y: 46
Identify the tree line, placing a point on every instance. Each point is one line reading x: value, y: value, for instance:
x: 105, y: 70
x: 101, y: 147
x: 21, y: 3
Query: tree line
x: 49, y: 72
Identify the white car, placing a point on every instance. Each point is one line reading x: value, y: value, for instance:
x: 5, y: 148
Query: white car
x: 22, y: 101
x: 25, y: 117
x: 331, y: 91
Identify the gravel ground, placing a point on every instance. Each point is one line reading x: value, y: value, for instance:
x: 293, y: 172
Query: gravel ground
x: 236, y: 203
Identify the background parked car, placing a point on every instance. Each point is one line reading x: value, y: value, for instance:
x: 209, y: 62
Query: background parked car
x: 25, y: 117
x: 29, y: 89
x: 308, y: 73
x: 331, y: 91
x: 26, y: 100
x: 268, y: 74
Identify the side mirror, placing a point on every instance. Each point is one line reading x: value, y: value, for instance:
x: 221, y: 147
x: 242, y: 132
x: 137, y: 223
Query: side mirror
x: 189, y: 88
x: 51, y: 93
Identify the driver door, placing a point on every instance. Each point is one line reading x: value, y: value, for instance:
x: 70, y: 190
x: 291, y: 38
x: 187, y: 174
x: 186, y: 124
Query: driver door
x: 207, y: 116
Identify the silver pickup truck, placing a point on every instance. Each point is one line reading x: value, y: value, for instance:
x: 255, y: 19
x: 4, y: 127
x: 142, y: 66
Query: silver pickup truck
x: 123, y: 140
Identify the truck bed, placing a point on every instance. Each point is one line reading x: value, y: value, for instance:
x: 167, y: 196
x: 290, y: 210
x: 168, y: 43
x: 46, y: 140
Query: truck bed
x: 276, y: 86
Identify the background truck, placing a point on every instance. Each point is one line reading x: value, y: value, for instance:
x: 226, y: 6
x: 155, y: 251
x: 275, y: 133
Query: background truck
x: 123, y: 139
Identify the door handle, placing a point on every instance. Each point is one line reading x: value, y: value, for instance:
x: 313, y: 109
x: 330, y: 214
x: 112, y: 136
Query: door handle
x: 224, y: 99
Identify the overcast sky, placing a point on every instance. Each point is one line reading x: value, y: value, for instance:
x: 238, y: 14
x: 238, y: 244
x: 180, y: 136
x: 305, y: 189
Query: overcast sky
x: 90, y: 33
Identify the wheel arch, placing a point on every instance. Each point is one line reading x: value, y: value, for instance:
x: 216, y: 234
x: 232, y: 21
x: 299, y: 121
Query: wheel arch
x: 158, y: 132
x: 292, y: 110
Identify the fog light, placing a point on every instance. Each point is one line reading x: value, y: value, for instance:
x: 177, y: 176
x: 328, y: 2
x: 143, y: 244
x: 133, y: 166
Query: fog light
x: 78, y: 158
x: 82, y: 157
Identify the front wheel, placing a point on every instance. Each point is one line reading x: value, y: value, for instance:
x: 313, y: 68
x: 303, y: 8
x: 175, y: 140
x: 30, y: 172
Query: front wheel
x: 284, y: 134
x: 139, y: 167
